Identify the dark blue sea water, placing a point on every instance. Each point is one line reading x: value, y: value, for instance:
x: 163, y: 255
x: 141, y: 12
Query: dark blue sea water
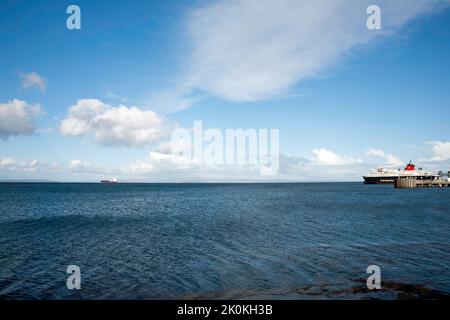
x: 147, y: 241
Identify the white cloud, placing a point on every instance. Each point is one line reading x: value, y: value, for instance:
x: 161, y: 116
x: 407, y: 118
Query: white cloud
x: 390, y: 160
x: 17, y: 117
x: 81, y: 117
x: 245, y: 50
x: 163, y: 166
x: 326, y: 157
x: 11, y: 164
x: 168, y: 167
x: 32, y: 79
x: 7, y: 162
x: 440, y: 150
x: 84, y: 167
x: 77, y: 163
x: 45, y: 170
x: 119, y: 126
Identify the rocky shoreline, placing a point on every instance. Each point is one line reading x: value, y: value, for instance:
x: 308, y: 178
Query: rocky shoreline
x: 390, y: 290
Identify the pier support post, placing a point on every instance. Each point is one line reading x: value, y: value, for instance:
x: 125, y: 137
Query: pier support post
x: 406, y: 182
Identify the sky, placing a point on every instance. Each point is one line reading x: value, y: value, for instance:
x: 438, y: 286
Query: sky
x: 101, y: 102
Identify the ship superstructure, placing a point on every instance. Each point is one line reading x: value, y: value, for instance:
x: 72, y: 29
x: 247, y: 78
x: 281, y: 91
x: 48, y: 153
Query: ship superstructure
x: 383, y: 175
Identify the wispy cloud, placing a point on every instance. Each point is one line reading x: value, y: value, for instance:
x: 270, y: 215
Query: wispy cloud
x: 112, y: 95
x: 32, y: 79
x: 244, y: 50
x: 17, y: 117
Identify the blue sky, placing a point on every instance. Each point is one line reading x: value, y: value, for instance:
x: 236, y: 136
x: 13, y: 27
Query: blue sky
x: 335, y: 90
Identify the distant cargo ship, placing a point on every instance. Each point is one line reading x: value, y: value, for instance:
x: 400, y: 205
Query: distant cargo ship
x: 383, y: 176
x: 109, y: 181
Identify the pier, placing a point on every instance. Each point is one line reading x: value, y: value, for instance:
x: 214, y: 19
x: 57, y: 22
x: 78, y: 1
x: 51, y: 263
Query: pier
x: 411, y: 182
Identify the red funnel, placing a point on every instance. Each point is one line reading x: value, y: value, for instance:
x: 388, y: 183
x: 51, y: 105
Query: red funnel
x: 410, y: 167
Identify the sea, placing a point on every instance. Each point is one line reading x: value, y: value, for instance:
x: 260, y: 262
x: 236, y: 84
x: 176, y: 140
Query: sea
x: 223, y: 241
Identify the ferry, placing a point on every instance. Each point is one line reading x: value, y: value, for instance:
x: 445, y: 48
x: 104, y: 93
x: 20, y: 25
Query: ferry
x: 388, y: 176
x: 109, y: 181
